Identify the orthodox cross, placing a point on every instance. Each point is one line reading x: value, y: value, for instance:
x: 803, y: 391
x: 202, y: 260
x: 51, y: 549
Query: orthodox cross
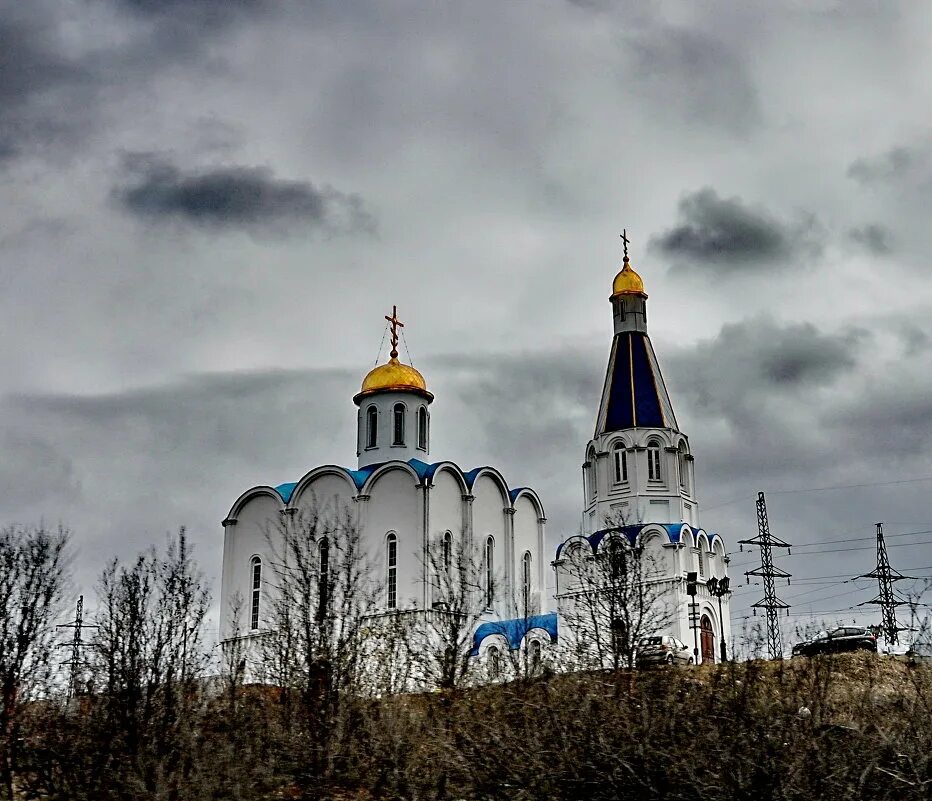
x: 624, y: 238
x: 396, y: 324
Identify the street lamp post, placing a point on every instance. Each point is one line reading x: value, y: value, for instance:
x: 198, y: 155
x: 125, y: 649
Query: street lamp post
x: 719, y: 589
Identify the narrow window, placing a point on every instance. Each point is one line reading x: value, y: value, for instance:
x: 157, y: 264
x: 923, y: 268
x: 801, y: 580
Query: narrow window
x: 323, y: 551
x: 591, y: 478
x: 398, y: 426
x: 447, y: 551
x: 256, y: 591
x: 617, y: 560
x: 489, y: 572
x: 684, y: 468
x: 392, y: 567
x: 526, y: 582
x: 495, y: 662
x: 422, y: 428
x: 372, y: 427
x: 621, y: 463
x: 701, y: 560
x: 653, y: 462
x: 536, y: 650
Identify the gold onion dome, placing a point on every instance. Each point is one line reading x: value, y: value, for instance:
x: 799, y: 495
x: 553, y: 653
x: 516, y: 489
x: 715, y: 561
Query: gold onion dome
x: 393, y: 376
x: 628, y: 282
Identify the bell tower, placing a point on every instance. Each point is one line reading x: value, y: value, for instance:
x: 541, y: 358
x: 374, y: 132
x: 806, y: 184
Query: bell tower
x: 638, y: 468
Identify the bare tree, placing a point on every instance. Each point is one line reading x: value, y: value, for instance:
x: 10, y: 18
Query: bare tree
x: 149, y: 658
x: 611, y: 598
x: 33, y: 574
x: 323, y: 598
x: 460, y: 594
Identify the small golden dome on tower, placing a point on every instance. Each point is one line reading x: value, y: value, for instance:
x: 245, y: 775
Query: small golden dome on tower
x: 393, y: 375
x: 628, y: 282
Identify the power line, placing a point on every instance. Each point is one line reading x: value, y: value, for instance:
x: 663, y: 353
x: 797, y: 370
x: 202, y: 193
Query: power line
x: 886, y: 599
x: 768, y: 572
x: 823, y: 489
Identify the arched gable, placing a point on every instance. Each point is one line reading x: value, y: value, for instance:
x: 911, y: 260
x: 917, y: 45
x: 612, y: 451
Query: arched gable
x: 497, y: 479
x: 388, y: 467
x: 314, y: 476
x: 248, y: 495
x: 532, y: 496
x: 451, y: 469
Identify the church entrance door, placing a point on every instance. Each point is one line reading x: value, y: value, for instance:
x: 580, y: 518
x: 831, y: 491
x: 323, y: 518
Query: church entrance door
x: 707, y: 638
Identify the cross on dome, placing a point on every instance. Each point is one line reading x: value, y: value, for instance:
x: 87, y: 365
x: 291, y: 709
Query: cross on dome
x: 624, y: 238
x: 395, y: 324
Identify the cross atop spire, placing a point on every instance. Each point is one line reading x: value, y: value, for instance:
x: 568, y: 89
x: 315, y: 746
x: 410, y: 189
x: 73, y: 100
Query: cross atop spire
x: 396, y: 324
x: 624, y: 238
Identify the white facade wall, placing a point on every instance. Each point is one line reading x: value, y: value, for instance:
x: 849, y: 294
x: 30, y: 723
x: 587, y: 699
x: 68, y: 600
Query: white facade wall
x: 393, y: 499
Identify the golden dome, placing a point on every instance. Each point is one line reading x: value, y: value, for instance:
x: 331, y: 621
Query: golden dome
x: 628, y: 282
x: 393, y: 376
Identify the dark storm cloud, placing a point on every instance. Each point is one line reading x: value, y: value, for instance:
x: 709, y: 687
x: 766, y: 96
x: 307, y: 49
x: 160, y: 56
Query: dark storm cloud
x: 726, y: 235
x: 893, y: 165
x: 238, y: 197
x: 874, y: 237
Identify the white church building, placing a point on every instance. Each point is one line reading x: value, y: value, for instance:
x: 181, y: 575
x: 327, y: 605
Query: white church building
x: 638, y: 470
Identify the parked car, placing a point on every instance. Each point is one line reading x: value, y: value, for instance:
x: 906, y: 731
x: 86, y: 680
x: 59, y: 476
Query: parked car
x: 840, y: 640
x: 662, y: 650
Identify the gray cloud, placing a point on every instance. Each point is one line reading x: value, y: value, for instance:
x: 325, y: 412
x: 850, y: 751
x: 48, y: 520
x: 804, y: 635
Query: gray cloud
x: 695, y: 76
x: 893, y: 165
x: 725, y: 235
x: 237, y: 197
x: 874, y: 237
x: 39, y: 85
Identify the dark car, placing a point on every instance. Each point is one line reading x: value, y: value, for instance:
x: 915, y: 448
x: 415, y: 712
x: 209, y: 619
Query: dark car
x: 840, y: 640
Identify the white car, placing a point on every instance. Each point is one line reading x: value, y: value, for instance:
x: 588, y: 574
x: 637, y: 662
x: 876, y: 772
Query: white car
x: 663, y: 650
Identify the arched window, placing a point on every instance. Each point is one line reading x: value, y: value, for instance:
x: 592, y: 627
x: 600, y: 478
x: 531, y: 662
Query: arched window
x: 620, y: 461
x: 323, y: 578
x: 536, y: 652
x: 372, y: 427
x: 683, y: 466
x: 526, y: 582
x: 422, y: 428
x: 391, y: 563
x: 256, y: 570
x: 653, y: 461
x: 495, y: 661
x: 591, y: 478
x: 489, y: 572
x: 617, y: 560
x: 446, y: 552
x: 398, y: 424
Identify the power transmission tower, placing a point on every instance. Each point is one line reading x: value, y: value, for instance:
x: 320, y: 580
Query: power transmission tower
x: 886, y: 598
x: 76, y: 644
x: 765, y: 541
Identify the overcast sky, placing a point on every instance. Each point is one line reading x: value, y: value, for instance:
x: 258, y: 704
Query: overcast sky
x: 209, y: 205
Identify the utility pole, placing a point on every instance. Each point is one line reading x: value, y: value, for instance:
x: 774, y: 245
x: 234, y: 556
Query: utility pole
x: 765, y: 541
x: 886, y: 598
x: 76, y: 644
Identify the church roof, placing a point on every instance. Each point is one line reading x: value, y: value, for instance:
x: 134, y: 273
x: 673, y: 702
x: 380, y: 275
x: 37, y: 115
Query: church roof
x: 674, y: 532
x: 514, y: 631
x: 423, y: 470
x: 634, y: 394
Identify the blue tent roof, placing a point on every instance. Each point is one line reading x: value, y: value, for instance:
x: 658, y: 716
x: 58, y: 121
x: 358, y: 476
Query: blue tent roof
x: 514, y: 631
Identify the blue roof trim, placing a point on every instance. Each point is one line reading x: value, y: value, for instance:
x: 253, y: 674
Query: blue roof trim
x: 425, y: 473
x: 514, y: 631
x: 285, y: 490
x: 674, y: 532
